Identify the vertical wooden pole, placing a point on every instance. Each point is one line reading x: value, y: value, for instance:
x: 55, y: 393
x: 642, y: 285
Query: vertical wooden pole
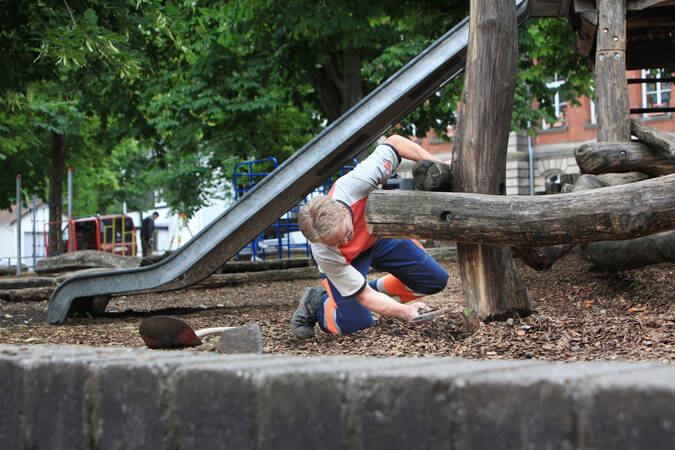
x: 610, y: 72
x: 489, y: 277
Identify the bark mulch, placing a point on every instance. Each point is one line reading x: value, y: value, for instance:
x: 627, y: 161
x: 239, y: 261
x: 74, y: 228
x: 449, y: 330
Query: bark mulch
x: 579, y: 314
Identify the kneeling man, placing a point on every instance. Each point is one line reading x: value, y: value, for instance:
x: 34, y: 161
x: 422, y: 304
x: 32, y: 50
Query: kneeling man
x: 344, y: 250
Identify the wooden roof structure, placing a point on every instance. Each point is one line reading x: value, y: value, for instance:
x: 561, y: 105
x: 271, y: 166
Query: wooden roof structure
x: 650, y: 27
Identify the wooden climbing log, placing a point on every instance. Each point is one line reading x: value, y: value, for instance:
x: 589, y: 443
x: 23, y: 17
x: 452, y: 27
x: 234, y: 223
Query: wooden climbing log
x: 429, y: 175
x: 227, y: 279
x: 610, y: 213
x: 27, y: 294
x: 613, y: 256
x: 542, y: 258
x: 655, y: 139
x: 606, y: 157
x: 26, y: 282
x: 588, y: 181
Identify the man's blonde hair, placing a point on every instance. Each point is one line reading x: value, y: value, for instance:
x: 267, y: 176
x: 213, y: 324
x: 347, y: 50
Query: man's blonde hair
x: 318, y: 218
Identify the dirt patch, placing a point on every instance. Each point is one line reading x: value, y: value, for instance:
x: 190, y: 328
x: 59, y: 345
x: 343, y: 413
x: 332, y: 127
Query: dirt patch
x: 579, y: 314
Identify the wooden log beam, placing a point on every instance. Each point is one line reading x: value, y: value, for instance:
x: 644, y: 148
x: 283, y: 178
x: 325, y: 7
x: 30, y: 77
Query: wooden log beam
x: 228, y: 279
x: 268, y: 264
x: 606, y: 157
x: 613, y: 256
x: 656, y: 139
x: 27, y: 294
x: 26, y: 282
x: 542, y: 258
x: 605, y: 214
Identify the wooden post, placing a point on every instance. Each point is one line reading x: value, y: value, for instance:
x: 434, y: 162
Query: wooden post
x: 489, y: 277
x: 610, y: 72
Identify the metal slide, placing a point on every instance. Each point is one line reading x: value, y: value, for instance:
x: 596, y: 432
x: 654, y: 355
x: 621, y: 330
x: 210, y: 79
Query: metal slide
x: 287, y: 185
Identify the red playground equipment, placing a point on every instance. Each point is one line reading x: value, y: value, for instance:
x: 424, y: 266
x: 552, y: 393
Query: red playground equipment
x: 113, y: 233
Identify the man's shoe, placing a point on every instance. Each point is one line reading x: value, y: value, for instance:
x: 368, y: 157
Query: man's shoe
x: 304, y: 318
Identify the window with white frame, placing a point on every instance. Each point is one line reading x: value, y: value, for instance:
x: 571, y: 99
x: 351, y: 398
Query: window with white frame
x: 655, y: 94
x: 559, y: 103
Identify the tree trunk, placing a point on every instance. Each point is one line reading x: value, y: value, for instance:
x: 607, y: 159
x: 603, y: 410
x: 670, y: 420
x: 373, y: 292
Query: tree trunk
x: 338, y: 82
x: 56, y: 172
x: 605, y: 157
x: 657, y: 140
x: 489, y: 277
x: 611, y: 213
x: 610, y: 72
x: 352, y: 90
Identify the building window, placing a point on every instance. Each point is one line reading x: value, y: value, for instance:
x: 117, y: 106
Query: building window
x: 559, y: 103
x: 655, y: 94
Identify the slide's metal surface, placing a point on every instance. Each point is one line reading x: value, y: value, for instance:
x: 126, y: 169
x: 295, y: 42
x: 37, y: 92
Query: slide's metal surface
x: 288, y: 184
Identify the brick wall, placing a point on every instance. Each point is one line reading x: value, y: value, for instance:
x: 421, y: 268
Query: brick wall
x: 553, y: 148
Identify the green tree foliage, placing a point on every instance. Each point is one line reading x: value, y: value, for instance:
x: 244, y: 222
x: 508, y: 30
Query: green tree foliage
x: 167, y: 96
x: 546, y: 50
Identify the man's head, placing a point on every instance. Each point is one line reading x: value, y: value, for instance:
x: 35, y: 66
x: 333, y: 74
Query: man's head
x: 155, y: 215
x: 327, y: 221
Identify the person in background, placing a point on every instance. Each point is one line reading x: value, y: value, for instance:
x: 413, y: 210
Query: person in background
x: 147, y: 232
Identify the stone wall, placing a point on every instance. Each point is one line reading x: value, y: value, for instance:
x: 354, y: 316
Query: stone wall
x: 72, y: 397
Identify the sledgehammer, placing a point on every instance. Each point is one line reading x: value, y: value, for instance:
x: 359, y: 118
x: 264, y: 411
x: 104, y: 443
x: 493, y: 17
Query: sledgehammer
x: 171, y: 332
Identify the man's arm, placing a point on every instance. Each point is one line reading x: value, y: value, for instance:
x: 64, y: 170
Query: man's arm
x: 384, y: 305
x: 408, y: 149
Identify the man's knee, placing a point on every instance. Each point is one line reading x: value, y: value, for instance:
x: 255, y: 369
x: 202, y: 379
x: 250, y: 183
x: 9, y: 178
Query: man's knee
x: 436, y: 283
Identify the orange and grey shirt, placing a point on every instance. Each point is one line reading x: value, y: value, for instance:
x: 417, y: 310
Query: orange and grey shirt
x: 352, y: 190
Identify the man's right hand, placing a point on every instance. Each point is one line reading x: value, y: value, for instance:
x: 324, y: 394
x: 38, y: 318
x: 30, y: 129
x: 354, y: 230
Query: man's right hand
x: 413, y: 310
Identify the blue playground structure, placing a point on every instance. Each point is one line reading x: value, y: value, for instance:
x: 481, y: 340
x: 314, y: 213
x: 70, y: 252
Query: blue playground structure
x: 284, y: 234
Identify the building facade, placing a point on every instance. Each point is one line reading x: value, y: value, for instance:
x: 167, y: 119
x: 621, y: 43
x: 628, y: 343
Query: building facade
x: 550, y: 151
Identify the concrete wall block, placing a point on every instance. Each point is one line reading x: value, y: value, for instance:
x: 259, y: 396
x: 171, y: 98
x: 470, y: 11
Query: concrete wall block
x: 130, y: 410
x: 498, y: 414
x: 301, y: 410
x: 633, y: 409
x: 11, y: 389
x: 55, y: 409
x: 415, y: 399
x: 307, y: 404
x: 401, y: 412
x: 215, y: 404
